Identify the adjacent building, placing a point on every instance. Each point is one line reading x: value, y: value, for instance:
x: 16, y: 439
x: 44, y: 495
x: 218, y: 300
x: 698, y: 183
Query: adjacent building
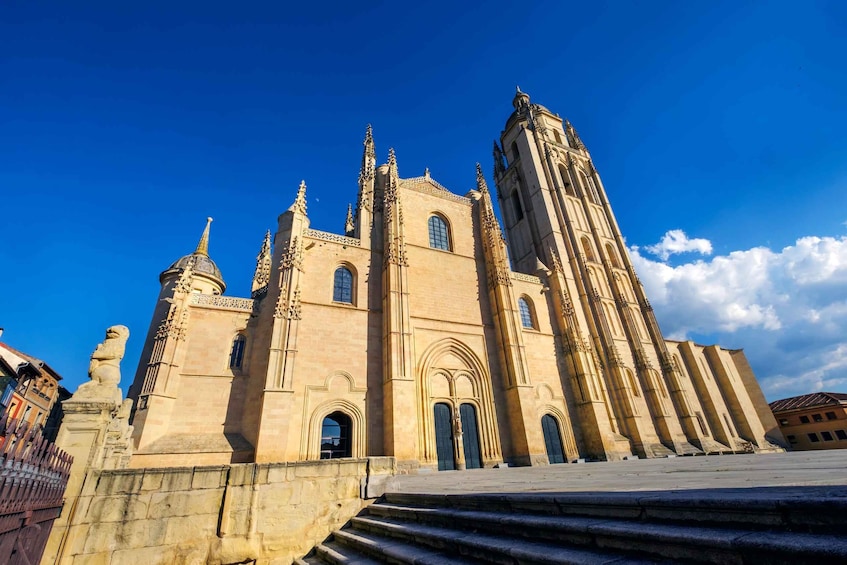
x: 430, y: 332
x: 813, y: 421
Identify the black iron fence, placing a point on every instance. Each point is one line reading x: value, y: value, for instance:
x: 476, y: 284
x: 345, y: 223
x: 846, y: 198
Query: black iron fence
x: 33, y: 476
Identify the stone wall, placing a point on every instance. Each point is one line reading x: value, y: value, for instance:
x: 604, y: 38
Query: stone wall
x: 242, y: 513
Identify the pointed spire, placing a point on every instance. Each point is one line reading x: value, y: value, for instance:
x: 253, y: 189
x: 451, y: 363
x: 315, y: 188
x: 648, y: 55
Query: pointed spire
x: 480, y: 180
x: 300, y: 202
x: 368, y: 156
x: 573, y: 137
x: 521, y: 99
x: 203, y: 244
x: 263, y: 267
x: 349, y: 227
x: 393, y: 175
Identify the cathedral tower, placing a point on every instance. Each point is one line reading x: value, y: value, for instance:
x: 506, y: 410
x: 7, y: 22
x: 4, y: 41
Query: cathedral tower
x: 555, y: 209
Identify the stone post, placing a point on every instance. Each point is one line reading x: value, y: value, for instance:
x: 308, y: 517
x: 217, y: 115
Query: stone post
x: 95, y: 430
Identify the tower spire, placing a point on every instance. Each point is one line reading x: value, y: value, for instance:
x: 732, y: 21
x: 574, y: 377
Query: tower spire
x: 349, y: 226
x: 203, y: 244
x: 263, y: 267
x: 300, y: 202
x: 368, y: 156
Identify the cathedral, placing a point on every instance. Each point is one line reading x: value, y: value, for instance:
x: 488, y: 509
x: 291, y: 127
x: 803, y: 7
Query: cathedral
x: 433, y: 333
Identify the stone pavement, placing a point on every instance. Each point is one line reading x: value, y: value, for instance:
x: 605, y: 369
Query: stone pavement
x: 804, y: 468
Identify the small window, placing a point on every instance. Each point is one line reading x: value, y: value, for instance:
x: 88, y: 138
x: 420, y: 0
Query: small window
x: 813, y: 437
x: 783, y: 422
x: 526, y: 313
x: 563, y: 171
x: 792, y: 439
x: 438, y: 235
x: 826, y: 436
x: 342, y: 288
x: 236, y: 356
x: 831, y: 416
x: 817, y: 417
x: 515, y: 154
x: 804, y: 419
x: 840, y: 434
x: 557, y: 136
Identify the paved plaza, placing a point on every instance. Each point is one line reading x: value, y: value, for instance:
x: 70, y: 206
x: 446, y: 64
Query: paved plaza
x: 807, y: 468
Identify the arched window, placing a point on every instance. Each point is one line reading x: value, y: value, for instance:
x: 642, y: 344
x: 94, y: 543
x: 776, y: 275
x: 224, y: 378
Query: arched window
x: 236, y: 356
x: 557, y: 136
x: 342, y: 290
x: 439, y: 236
x: 527, y: 320
x: 613, y: 257
x: 335, y: 436
x: 587, y: 249
x: 563, y: 171
x: 590, y: 189
x: 552, y: 439
x: 515, y: 154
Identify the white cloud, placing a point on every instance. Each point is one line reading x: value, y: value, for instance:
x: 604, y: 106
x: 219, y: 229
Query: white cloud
x: 787, y: 309
x: 675, y: 241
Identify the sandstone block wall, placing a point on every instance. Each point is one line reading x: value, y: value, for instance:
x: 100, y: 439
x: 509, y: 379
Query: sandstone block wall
x: 262, y: 513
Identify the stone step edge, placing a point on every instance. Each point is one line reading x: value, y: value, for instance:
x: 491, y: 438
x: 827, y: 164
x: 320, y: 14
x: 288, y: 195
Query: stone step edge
x: 817, y: 514
x: 381, y: 547
x: 673, y: 542
x: 333, y: 552
x: 490, y: 549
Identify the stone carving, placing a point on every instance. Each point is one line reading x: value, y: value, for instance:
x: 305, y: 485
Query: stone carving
x: 104, y: 369
x: 333, y: 237
x: 526, y: 278
x: 227, y: 302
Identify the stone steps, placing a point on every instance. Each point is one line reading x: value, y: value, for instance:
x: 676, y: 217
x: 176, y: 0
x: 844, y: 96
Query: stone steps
x: 721, y: 526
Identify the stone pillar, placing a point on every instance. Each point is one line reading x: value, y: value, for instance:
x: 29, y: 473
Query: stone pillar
x: 95, y: 430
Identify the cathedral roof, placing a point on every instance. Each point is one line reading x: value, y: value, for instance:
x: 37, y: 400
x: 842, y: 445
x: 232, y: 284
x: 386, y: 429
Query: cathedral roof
x: 202, y: 263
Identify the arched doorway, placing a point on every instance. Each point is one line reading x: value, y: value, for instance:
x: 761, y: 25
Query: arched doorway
x: 470, y: 436
x: 444, y: 437
x: 335, y: 436
x: 552, y: 439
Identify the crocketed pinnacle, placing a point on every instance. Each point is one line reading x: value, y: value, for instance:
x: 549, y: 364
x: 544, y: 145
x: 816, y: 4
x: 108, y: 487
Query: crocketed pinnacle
x: 481, y: 185
x: 300, y: 202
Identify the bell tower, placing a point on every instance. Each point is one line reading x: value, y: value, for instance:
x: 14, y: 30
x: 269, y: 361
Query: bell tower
x: 555, y: 209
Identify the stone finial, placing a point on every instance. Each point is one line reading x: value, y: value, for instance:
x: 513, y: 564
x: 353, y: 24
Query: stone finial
x: 349, y: 226
x: 300, y: 202
x: 573, y: 137
x: 203, y: 244
x: 480, y: 180
x: 262, y: 275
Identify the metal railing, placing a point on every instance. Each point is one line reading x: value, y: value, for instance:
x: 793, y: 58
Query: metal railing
x: 33, y: 476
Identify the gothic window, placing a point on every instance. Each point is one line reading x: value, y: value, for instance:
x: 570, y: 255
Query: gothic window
x: 563, y: 171
x: 342, y: 290
x: 613, y: 258
x: 439, y: 235
x: 587, y: 250
x: 516, y: 205
x: 335, y: 436
x: 236, y: 356
x: 590, y: 189
x: 557, y: 136
x: 515, y: 154
x: 527, y: 320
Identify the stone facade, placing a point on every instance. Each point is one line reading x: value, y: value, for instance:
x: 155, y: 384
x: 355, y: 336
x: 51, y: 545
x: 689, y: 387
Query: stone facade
x: 413, y: 335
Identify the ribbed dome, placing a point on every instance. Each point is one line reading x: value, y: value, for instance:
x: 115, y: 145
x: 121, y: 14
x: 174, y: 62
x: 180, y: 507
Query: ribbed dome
x: 203, y: 264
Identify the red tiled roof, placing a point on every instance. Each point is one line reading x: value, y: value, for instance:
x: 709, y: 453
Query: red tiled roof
x: 809, y: 401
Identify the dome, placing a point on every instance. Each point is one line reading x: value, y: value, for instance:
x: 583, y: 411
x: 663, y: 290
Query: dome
x: 203, y: 264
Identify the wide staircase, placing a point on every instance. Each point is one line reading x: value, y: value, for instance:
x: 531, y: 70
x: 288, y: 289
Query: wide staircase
x: 758, y: 525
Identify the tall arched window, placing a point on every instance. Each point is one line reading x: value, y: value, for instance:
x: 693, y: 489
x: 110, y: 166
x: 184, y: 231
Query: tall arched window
x: 526, y: 313
x: 515, y: 154
x: 236, y: 355
x: 342, y: 289
x: 516, y: 205
x: 563, y: 171
x: 335, y: 436
x: 587, y: 249
x: 557, y: 136
x: 613, y: 257
x: 590, y: 189
x: 439, y: 236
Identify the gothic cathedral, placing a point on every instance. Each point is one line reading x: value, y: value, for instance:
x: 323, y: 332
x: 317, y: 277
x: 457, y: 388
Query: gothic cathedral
x: 425, y: 334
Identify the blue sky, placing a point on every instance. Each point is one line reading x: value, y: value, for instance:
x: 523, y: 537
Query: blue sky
x: 718, y: 129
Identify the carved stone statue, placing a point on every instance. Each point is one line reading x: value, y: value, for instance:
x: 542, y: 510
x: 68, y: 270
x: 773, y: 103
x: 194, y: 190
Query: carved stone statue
x: 104, y: 369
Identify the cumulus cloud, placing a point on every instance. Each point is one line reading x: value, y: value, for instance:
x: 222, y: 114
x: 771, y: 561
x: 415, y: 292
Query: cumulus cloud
x: 675, y: 241
x: 786, y: 308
